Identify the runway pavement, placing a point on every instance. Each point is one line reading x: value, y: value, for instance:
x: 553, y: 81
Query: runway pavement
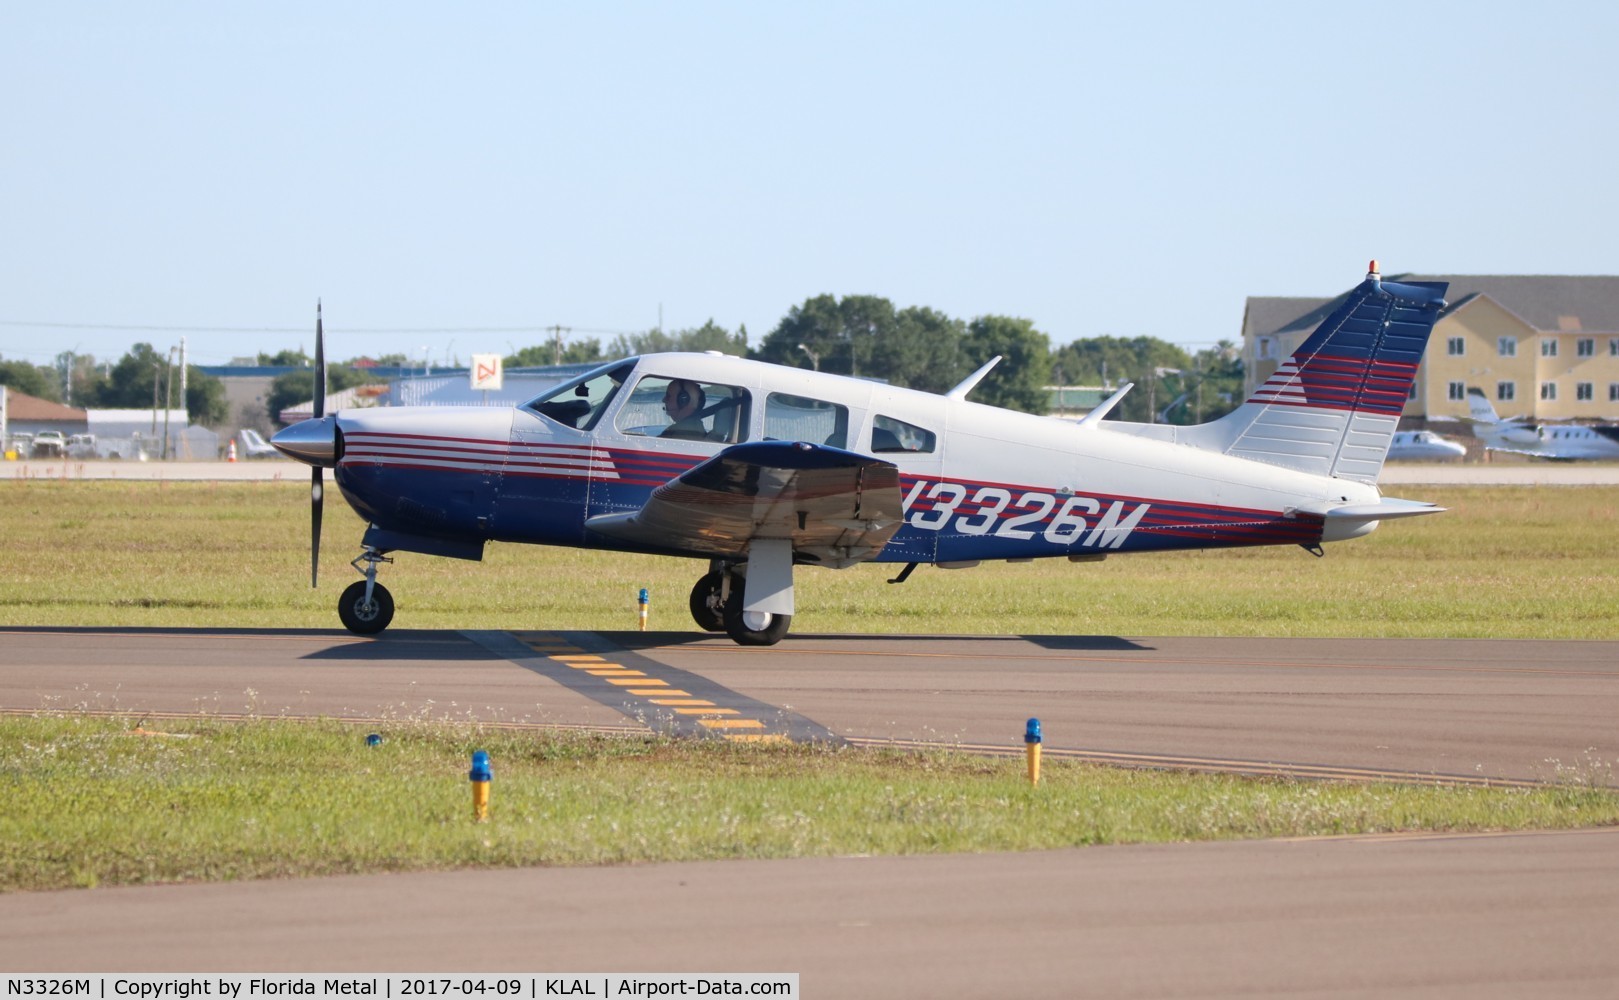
x: 1374, y: 916
x: 1496, y: 709
x: 1530, y: 915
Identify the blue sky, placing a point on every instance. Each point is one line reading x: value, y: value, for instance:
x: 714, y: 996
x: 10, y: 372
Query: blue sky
x: 211, y: 169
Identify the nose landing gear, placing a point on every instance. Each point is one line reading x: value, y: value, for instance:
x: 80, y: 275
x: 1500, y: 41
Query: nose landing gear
x: 366, y: 607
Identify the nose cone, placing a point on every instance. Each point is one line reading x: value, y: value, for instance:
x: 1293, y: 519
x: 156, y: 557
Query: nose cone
x: 312, y: 442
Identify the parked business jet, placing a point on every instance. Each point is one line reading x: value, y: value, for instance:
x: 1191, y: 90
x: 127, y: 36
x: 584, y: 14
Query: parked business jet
x: 1560, y: 442
x: 1423, y: 446
x: 759, y: 469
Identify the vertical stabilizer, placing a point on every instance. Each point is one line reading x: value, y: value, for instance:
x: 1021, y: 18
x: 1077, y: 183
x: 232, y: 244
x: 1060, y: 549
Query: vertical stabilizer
x: 1332, y: 407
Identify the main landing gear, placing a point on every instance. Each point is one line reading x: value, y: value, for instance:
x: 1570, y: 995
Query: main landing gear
x: 366, y: 607
x: 716, y: 606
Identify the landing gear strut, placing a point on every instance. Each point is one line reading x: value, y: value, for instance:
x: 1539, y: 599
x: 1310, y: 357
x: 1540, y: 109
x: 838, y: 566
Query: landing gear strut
x: 366, y: 607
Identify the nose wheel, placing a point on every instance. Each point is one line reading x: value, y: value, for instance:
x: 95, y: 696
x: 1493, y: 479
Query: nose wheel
x: 366, y: 607
x: 365, y: 614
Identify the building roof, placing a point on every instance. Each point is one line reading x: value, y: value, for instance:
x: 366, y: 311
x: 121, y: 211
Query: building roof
x: 21, y: 406
x: 1550, y: 303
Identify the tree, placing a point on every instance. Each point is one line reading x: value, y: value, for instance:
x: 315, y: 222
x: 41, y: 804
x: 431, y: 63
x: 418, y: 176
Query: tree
x: 1155, y: 366
x: 844, y: 336
x: 924, y: 350
x: 286, y: 359
x: 143, y: 375
x: 299, y: 386
x: 1019, y: 381
x: 205, y: 398
x: 708, y: 337
x: 31, y: 379
x: 576, y: 352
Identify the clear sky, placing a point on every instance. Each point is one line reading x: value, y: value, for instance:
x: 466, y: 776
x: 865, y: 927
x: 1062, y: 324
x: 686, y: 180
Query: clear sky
x: 209, y: 169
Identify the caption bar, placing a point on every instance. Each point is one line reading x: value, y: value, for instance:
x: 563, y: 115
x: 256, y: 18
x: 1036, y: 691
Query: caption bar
x: 458, y: 986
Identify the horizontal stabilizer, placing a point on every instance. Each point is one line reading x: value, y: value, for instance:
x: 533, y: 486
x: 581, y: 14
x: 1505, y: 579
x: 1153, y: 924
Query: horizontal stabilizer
x: 1383, y: 510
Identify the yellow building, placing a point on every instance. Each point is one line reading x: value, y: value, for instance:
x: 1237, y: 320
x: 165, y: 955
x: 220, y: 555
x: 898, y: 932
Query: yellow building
x: 1543, y: 347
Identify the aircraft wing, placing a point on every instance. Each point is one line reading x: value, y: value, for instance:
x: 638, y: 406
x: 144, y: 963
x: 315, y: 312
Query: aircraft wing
x: 837, y: 507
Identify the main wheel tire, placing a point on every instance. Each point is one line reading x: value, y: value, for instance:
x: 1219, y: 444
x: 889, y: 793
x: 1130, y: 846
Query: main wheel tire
x: 753, y: 628
x: 361, y: 618
x: 705, y: 603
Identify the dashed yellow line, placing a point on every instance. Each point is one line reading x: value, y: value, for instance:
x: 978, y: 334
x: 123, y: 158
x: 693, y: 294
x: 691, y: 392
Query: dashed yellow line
x: 636, y: 682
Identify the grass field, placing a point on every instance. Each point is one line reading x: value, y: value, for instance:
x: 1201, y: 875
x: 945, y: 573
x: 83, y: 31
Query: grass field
x: 1523, y: 562
x: 93, y: 802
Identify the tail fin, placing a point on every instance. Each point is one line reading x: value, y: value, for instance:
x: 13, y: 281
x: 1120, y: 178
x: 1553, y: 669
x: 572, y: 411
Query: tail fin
x: 1479, y: 407
x: 1331, y: 408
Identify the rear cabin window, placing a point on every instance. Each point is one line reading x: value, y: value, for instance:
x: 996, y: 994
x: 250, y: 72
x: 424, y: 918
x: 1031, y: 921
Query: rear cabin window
x: 799, y: 418
x: 685, y: 409
x: 891, y: 435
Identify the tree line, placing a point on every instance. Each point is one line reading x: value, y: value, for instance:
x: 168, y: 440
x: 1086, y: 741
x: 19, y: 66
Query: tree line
x: 142, y: 379
x: 861, y: 335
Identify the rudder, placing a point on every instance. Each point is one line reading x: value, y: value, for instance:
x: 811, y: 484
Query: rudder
x: 1331, y: 409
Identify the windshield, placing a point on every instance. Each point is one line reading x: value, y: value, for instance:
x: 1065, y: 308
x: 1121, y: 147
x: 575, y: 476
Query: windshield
x: 579, y: 402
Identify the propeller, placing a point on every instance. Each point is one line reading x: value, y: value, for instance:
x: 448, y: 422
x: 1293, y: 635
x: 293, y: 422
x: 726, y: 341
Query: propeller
x: 317, y: 484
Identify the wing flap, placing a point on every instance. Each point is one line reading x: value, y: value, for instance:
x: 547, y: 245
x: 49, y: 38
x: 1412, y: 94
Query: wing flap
x: 836, y: 507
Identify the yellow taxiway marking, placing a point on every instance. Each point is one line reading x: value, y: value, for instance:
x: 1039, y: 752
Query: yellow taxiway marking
x: 657, y: 692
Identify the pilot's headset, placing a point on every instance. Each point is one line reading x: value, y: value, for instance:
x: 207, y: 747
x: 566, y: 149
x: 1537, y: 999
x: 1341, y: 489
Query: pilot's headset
x: 683, y: 396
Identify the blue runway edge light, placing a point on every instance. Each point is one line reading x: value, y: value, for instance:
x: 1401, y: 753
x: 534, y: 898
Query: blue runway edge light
x: 480, y: 767
x: 374, y: 740
x: 1031, y: 731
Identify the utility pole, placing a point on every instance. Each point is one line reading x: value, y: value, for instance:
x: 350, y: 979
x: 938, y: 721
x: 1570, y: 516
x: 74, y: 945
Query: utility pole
x: 557, y: 330
x: 168, y: 402
x: 183, y: 371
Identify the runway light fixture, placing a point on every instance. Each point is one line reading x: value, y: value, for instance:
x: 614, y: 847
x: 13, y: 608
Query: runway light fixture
x: 1031, y: 749
x: 480, y: 775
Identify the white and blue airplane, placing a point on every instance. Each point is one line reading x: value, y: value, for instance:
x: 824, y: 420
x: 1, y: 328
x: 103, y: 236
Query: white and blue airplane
x: 760, y: 469
x: 1558, y: 442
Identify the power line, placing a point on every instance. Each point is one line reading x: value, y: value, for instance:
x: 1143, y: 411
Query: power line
x: 304, y: 329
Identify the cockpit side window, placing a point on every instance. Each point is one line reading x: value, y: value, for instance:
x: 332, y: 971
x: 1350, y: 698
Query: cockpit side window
x: 799, y: 418
x: 580, y: 402
x: 891, y: 435
x: 685, y: 409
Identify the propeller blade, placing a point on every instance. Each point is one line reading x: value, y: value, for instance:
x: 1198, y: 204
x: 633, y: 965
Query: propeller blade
x: 317, y: 485
x: 320, y: 365
x: 317, y: 488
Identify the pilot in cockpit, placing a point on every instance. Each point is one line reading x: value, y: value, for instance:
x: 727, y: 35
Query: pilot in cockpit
x: 683, y: 401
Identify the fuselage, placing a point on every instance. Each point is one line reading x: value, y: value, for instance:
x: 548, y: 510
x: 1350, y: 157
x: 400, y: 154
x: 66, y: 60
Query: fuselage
x: 978, y: 482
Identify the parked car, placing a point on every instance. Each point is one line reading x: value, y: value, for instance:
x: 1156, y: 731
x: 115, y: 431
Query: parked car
x: 82, y: 446
x: 50, y: 444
